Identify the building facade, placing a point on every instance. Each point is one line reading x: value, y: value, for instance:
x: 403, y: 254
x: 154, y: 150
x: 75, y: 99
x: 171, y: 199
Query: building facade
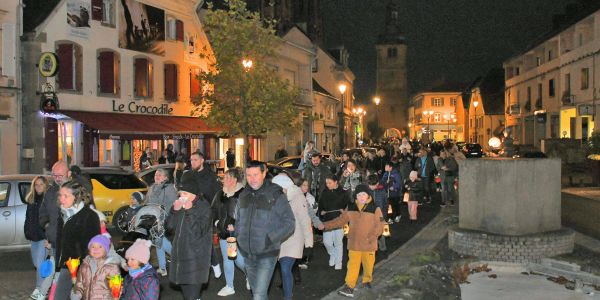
x: 552, y: 87
x: 10, y: 86
x: 437, y: 115
x: 116, y: 77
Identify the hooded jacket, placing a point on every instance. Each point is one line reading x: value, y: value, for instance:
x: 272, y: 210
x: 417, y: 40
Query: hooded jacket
x: 93, y: 284
x: 264, y: 219
x: 144, y: 287
x: 302, y: 237
x: 392, y: 183
x: 366, y: 225
x: 163, y: 194
x: 223, y: 206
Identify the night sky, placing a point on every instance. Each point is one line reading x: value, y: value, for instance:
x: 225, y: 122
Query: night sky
x: 451, y: 40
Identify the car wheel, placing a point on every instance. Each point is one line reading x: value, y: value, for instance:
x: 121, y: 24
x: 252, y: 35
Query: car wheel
x: 119, y: 220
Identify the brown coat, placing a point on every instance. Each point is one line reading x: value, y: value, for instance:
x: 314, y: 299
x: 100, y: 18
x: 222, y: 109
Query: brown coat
x: 366, y: 225
x: 95, y: 286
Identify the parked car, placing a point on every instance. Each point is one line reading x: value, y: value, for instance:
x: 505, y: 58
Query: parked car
x: 13, y: 190
x: 472, y: 150
x: 273, y: 170
x: 112, y: 189
x: 293, y: 162
x: 147, y: 175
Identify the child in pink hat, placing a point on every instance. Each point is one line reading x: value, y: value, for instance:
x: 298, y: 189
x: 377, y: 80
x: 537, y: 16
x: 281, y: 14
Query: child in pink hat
x: 142, y: 281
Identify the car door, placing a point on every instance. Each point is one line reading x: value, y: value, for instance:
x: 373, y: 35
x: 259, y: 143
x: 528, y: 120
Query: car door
x: 20, y: 207
x: 7, y: 215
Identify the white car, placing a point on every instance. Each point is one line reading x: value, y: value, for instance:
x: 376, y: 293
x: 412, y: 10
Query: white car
x: 13, y: 190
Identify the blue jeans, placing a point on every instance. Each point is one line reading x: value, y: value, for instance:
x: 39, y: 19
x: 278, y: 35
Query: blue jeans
x: 160, y: 253
x: 38, y: 254
x: 286, y: 263
x: 229, y: 265
x: 259, y: 272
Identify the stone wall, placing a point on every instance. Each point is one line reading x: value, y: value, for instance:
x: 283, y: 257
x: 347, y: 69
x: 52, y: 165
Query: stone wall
x: 519, y: 249
x: 510, y: 196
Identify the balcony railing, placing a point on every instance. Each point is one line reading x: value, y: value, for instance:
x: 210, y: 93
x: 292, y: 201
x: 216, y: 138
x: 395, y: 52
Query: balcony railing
x: 568, y: 99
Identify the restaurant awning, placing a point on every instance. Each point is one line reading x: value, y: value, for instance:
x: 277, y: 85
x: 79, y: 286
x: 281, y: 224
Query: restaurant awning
x: 131, y: 124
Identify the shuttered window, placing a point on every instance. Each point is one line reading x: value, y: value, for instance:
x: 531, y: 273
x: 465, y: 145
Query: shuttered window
x: 179, y: 30
x: 195, y: 84
x: 104, y: 11
x: 108, y: 73
x: 97, y: 7
x: 142, y: 78
x: 71, y: 65
x: 171, y: 82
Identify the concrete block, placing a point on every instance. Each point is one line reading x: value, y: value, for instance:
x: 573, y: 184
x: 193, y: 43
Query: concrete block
x: 511, y: 197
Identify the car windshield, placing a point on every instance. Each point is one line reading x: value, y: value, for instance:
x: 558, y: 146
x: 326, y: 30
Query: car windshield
x: 119, y: 181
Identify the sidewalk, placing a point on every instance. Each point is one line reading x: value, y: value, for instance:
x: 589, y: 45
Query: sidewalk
x: 400, y: 260
x: 586, y: 192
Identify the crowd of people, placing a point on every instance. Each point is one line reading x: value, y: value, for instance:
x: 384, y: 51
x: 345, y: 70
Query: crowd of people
x: 245, y: 221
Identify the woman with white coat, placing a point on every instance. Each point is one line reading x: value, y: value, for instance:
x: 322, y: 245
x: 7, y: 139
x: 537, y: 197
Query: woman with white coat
x: 292, y: 248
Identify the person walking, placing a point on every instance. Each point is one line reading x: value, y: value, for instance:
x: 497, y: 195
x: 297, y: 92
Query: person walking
x: 224, y: 205
x: 292, y: 248
x: 342, y: 165
x: 414, y: 188
x: 162, y: 193
x: 178, y: 171
x: 34, y: 232
x: 425, y: 167
x: 230, y: 158
x: 281, y: 152
x: 141, y: 282
x: 207, y: 181
x: 190, y: 221
x: 334, y: 200
x: 84, y: 180
x: 264, y: 219
x: 351, y: 177
x: 77, y: 225
x: 307, y: 154
x: 95, y: 268
x: 315, y: 173
x: 392, y: 182
x: 449, y: 169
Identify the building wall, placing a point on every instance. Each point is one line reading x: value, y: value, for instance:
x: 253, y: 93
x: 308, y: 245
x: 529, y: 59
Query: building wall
x: 562, y: 58
x: 481, y: 123
x: 10, y: 86
x: 392, y: 86
x: 440, y: 127
x: 55, y: 30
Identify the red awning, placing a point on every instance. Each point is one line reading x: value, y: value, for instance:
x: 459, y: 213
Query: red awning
x: 111, y: 123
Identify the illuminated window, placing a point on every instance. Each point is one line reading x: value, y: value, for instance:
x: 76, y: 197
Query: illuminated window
x: 142, y: 77
x: 66, y: 141
x: 453, y: 101
x: 437, y: 117
x: 106, y: 152
x: 437, y: 101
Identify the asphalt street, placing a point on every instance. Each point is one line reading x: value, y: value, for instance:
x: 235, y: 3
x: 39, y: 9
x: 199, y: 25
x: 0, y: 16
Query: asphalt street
x: 17, y: 272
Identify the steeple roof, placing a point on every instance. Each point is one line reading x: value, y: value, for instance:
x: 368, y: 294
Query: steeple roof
x: 393, y: 33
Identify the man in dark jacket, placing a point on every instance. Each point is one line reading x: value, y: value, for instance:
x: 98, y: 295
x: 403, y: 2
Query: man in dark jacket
x: 49, y: 210
x: 342, y: 165
x: 281, y: 152
x: 392, y: 182
x: 264, y: 219
x: 205, y: 178
x: 315, y: 173
x: 425, y: 167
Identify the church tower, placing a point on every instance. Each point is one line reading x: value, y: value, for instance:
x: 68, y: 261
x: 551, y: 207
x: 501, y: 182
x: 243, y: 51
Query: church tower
x: 392, y: 86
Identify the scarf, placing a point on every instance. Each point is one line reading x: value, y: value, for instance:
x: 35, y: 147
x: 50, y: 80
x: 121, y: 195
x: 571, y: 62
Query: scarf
x: 238, y: 186
x: 67, y: 213
x: 138, y: 272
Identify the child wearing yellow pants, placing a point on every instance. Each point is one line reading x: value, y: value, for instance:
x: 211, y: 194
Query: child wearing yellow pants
x: 366, y: 225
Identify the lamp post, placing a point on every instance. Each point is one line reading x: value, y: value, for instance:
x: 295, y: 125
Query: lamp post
x: 475, y: 104
x: 377, y: 100
x: 449, y: 117
x: 428, y: 114
x: 247, y: 65
x: 342, y: 88
x: 409, y: 130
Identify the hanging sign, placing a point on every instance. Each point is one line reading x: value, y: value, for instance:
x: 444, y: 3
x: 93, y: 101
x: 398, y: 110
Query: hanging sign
x: 49, y: 100
x: 48, y: 64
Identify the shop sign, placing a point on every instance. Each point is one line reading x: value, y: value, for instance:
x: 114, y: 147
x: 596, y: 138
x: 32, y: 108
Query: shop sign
x: 49, y: 100
x: 585, y: 110
x: 48, y: 64
x: 182, y: 136
x: 135, y: 108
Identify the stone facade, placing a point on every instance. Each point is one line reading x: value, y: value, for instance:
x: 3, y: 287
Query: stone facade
x: 519, y: 249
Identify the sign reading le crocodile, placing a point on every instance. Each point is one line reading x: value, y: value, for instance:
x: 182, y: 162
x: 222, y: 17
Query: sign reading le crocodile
x: 135, y: 108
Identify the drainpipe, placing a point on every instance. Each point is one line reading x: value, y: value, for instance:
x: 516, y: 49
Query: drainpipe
x: 19, y: 31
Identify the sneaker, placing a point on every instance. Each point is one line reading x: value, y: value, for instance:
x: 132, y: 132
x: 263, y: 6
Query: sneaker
x: 247, y: 284
x: 366, y: 285
x: 303, y: 266
x: 162, y: 272
x: 217, y: 270
x: 397, y: 219
x: 226, y: 291
x: 41, y: 297
x: 36, y: 294
x: 347, y: 291
x: 390, y: 221
x: 443, y: 204
x: 338, y: 266
x: 331, y: 261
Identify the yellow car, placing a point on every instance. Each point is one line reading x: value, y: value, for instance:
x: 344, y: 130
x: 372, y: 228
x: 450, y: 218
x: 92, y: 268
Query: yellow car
x: 112, y: 189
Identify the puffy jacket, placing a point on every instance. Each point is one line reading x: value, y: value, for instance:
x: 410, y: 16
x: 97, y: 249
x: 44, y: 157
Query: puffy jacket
x: 75, y: 235
x: 50, y: 213
x: 352, y: 181
x: 302, y: 237
x: 366, y: 225
x: 224, y: 211
x: 414, y: 189
x: 332, y: 203
x: 144, y: 287
x: 207, y: 181
x: 264, y: 219
x: 32, y: 228
x: 392, y: 183
x: 192, y: 242
x: 315, y: 175
x: 163, y: 194
x: 94, y: 286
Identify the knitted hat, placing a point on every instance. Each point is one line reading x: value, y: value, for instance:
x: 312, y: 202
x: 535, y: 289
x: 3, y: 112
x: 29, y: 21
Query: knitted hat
x: 189, y: 184
x: 283, y: 181
x: 362, y: 188
x: 100, y: 240
x: 138, y: 196
x: 140, y: 251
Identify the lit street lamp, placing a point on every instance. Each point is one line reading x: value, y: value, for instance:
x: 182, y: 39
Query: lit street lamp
x: 475, y: 104
x: 428, y: 114
x: 342, y: 88
x: 377, y: 100
x: 449, y: 117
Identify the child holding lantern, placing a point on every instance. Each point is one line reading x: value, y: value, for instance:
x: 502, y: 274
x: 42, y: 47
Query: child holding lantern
x: 142, y: 281
x: 95, y: 269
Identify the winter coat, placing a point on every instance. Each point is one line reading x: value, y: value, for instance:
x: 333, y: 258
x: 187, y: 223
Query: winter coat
x: 405, y: 164
x: 414, y: 189
x: 224, y: 210
x: 192, y: 242
x: 207, y: 181
x: 315, y: 175
x: 144, y: 287
x: 451, y: 171
x: 366, y: 225
x: 302, y: 237
x: 163, y: 194
x: 392, y: 183
x: 379, y: 197
x: 429, y: 167
x: 33, y: 230
x: 332, y: 203
x: 264, y: 219
x: 92, y: 285
x: 75, y: 234
x: 50, y: 213
x: 352, y: 181
x: 177, y: 177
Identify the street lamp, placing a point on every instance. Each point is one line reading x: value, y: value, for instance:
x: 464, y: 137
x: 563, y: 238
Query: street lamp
x: 475, y: 104
x: 377, y: 100
x: 247, y: 63
x: 449, y: 117
x: 342, y: 88
x: 428, y: 114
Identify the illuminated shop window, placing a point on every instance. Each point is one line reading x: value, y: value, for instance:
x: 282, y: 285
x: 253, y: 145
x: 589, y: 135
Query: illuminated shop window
x: 66, y: 141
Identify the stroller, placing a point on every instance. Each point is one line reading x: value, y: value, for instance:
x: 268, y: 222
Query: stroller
x: 147, y: 223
